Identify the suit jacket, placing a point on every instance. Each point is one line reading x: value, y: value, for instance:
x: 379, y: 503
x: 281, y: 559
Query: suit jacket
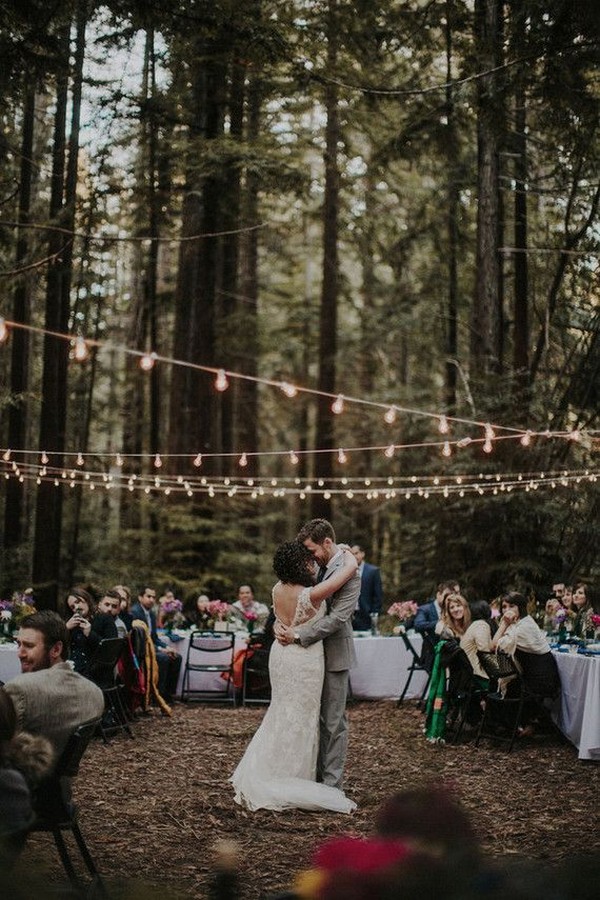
x: 370, y: 597
x: 138, y: 612
x: 426, y: 618
x: 54, y: 702
x: 335, y: 628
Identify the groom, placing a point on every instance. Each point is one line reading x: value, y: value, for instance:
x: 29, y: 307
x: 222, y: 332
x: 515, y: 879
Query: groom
x: 335, y: 630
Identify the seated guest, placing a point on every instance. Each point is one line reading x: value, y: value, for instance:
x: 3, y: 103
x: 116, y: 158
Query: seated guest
x: 426, y: 618
x: 110, y: 604
x: 125, y: 595
x: 520, y: 637
x: 197, y: 613
x: 455, y: 617
x: 582, y: 606
x: 50, y: 699
x: 168, y: 660
x: 87, y: 628
x: 478, y: 636
x: 246, y: 605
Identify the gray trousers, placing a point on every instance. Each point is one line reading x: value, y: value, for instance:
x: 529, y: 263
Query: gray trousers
x: 333, y: 731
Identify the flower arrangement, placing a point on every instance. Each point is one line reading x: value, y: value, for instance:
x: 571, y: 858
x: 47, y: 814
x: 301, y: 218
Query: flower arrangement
x: 250, y: 618
x: 403, y: 610
x: 171, y: 614
x: 13, y: 612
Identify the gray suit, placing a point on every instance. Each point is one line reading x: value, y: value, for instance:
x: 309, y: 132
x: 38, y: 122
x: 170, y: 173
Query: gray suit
x: 335, y: 630
x: 54, y: 702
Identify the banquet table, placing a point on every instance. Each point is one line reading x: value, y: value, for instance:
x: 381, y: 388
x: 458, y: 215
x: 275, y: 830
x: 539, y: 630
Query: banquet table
x: 578, y: 709
x: 381, y: 669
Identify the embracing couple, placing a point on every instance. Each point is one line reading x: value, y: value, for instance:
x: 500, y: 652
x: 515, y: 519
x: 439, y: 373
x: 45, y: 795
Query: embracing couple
x: 296, y: 758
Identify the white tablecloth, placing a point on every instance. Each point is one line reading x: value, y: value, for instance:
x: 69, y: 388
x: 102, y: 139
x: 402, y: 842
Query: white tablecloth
x: 382, y: 668
x: 578, y: 713
x: 9, y: 662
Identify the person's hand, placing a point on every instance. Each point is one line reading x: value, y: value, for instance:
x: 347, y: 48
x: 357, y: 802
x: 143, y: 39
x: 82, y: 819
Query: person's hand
x: 73, y: 622
x: 283, y: 634
x: 170, y: 651
x: 509, y: 616
x: 85, y: 625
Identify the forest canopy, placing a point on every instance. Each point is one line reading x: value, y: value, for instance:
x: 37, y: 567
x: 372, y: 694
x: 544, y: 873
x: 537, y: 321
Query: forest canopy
x: 271, y: 260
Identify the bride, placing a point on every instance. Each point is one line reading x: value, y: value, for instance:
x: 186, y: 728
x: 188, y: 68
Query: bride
x: 278, y: 769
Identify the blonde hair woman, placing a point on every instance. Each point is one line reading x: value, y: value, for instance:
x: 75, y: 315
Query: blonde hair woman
x: 455, y: 618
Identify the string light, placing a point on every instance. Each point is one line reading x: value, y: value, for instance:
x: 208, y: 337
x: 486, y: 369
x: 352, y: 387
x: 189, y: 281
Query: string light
x: 342, y: 457
x: 294, y: 458
x: 3, y: 331
x: 198, y: 460
x: 489, y: 432
x: 221, y: 383
x: 119, y: 460
x: 44, y: 458
x: 525, y: 439
x: 464, y: 442
x: 80, y: 460
x: 6, y: 455
x: 446, y: 449
x: 337, y: 406
x: 243, y: 461
x: 487, y: 446
x: 147, y: 361
x: 390, y: 415
x: 389, y: 451
x: 157, y: 461
x: 443, y: 426
x: 81, y: 350
x: 290, y: 390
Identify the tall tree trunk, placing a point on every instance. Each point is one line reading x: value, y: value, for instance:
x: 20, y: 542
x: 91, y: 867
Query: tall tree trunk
x: 53, y: 416
x: 486, y: 331
x: 150, y: 283
x: 329, y: 292
x: 521, y: 299
x: 247, y: 415
x: 452, y: 148
x: 19, y: 372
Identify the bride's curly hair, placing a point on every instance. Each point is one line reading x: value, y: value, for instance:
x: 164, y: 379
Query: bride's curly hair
x: 291, y: 564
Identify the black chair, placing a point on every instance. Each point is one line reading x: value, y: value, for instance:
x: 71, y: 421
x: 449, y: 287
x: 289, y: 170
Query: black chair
x: 103, y: 671
x: 463, y: 697
x: 210, y: 652
x: 416, y: 665
x: 256, y: 684
x: 503, y: 712
x: 55, y: 811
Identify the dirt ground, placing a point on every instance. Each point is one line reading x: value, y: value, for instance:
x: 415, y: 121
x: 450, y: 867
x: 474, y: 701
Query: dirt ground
x: 153, y: 808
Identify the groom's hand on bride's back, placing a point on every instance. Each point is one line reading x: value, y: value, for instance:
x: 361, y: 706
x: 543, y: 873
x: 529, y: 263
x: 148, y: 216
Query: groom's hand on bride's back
x: 283, y: 634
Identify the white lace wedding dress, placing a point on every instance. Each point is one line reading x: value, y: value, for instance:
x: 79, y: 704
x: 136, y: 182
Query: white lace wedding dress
x: 278, y: 769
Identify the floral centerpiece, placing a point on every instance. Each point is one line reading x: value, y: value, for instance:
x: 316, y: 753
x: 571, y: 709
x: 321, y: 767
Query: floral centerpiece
x: 172, y: 614
x: 213, y: 615
x: 405, y: 611
x: 13, y: 612
x: 250, y: 619
x: 595, y: 621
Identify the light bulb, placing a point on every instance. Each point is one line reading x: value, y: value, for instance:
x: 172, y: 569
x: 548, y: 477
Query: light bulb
x: 390, y: 416
x: 525, y: 439
x: 147, y: 361
x: 3, y: 331
x: 81, y: 351
x: 443, y: 426
x: 290, y: 390
x: 157, y: 461
x: 337, y: 406
x: 119, y: 460
x: 389, y: 451
x: 6, y: 455
x: 446, y: 449
x: 44, y: 458
x: 489, y: 432
x: 221, y: 383
x: 293, y: 457
x: 342, y: 457
x: 243, y: 460
x: 487, y: 447
x: 79, y: 459
x: 198, y: 460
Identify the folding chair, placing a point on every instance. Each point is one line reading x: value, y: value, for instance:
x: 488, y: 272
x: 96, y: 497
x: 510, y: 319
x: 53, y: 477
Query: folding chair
x: 256, y: 684
x: 463, y: 696
x: 502, y: 714
x: 210, y: 659
x: 416, y: 665
x: 56, y: 812
x: 103, y: 671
